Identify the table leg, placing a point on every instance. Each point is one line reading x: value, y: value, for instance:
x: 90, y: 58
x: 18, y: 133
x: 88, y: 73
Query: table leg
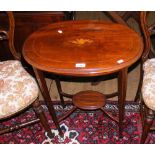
x: 47, y: 98
x: 122, y: 86
x: 58, y: 84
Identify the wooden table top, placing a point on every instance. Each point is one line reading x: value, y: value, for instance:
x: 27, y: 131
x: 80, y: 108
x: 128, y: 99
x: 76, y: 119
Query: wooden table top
x: 83, y: 48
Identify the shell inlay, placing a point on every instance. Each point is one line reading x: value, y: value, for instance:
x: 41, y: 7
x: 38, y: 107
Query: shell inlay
x: 81, y: 41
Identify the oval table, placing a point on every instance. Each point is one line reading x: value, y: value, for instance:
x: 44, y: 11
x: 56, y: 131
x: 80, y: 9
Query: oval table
x: 85, y: 48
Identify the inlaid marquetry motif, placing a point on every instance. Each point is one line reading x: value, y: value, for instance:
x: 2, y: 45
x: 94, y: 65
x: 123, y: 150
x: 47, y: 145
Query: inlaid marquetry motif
x: 81, y: 41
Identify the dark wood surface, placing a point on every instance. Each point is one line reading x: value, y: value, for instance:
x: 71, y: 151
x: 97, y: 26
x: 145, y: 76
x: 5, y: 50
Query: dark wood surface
x: 83, y: 48
x: 89, y: 100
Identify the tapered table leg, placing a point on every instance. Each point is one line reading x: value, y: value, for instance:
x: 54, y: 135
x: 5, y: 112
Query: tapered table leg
x: 122, y: 86
x: 47, y: 98
x: 40, y: 113
x: 58, y: 84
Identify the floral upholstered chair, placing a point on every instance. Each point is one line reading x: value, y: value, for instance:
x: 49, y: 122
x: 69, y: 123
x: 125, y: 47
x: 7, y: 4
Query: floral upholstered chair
x: 18, y: 89
x: 147, y: 77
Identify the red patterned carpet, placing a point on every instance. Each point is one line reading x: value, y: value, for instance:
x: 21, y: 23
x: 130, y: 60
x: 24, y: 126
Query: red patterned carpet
x: 81, y: 128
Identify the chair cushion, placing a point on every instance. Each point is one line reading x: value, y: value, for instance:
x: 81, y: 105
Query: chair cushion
x: 17, y: 88
x: 148, y: 88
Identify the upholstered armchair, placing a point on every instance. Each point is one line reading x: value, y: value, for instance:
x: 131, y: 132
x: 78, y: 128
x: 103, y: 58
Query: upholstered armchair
x: 18, y: 89
x: 147, y: 82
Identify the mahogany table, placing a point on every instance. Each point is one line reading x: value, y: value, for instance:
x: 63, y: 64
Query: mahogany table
x: 84, y: 49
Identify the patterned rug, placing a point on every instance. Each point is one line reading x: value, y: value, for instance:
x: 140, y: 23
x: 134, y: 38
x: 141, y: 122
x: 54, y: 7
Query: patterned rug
x: 81, y: 127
